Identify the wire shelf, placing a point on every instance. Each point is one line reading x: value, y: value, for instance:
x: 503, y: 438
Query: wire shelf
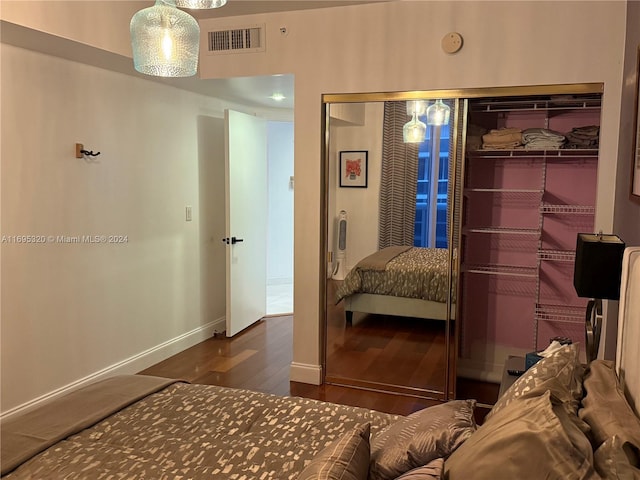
x: 571, y: 153
x: 508, y: 191
x: 557, y: 255
x: 528, y: 105
x: 504, y: 231
x: 506, y: 270
x: 567, y: 209
x: 560, y: 313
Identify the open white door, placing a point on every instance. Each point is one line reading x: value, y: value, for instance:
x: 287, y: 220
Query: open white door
x: 246, y: 219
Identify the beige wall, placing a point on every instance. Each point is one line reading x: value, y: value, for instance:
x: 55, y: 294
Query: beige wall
x: 361, y: 205
x: 71, y: 312
x: 336, y: 50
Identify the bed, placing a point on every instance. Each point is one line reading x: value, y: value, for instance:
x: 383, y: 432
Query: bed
x: 559, y: 420
x: 400, y: 280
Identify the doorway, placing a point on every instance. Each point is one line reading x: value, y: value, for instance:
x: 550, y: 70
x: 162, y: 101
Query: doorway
x: 280, y: 218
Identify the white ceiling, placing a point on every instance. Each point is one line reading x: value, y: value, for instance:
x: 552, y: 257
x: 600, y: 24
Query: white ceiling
x: 248, y: 7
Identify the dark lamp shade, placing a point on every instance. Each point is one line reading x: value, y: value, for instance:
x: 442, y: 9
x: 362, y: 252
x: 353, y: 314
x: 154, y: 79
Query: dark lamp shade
x: 598, y: 266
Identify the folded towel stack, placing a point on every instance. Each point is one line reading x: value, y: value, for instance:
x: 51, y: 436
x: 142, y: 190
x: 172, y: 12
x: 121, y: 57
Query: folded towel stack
x: 502, y: 139
x: 583, y: 137
x: 542, y: 139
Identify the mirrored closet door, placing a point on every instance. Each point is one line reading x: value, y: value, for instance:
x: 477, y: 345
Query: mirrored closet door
x: 390, y: 189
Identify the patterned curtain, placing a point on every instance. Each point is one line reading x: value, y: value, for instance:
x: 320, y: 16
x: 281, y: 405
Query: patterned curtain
x: 399, y: 180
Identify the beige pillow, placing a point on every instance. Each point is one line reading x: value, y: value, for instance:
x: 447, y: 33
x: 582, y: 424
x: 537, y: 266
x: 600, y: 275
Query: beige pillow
x: 605, y: 408
x: 345, y: 459
x: 613, y: 460
x: 561, y: 374
x: 532, y: 438
x: 430, y: 471
x: 421, y: 437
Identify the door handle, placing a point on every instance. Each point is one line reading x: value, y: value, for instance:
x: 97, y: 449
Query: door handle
x: 232, y: 240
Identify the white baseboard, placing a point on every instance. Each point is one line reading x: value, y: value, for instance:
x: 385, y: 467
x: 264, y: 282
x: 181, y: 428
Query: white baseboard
x: 305, y: 373
x: 129, y: 365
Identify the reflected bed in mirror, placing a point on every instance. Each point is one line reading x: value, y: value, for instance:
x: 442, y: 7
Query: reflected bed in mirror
x: 389, y: 301
x: 403, y: 281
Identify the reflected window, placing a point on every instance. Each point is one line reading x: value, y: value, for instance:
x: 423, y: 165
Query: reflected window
x: 431, y: 198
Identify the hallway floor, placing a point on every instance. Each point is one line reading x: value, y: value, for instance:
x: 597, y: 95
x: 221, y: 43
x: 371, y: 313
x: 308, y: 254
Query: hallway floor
x: 280, y: 299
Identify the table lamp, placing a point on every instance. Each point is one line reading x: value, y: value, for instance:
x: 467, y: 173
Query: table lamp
x: 596, y: 275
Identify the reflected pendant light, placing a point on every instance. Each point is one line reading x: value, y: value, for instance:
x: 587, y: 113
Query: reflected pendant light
x: 438, y: 114
x: 200, y: 4
x: 165, y: 41
x: 414, y: 131
x: 416, y: 107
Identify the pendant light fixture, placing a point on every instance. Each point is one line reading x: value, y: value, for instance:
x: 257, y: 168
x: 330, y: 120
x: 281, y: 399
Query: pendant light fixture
x: 438, y: 114
x: 165, y: 41
x: 414, y: 131
x: 200, y: 4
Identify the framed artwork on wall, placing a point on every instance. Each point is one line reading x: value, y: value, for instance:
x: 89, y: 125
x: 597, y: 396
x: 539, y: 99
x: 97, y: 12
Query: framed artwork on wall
x: 353, y: 168
x: 635, y: 162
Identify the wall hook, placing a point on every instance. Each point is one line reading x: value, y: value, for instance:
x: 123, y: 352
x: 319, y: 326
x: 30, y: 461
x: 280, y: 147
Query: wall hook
x: 81, y: 152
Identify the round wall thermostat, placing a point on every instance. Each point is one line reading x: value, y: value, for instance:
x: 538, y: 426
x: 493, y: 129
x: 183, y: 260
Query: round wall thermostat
x: 452, y: 42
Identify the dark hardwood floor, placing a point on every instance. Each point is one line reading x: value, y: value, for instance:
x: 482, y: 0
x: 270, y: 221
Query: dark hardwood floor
x: 259, y: 359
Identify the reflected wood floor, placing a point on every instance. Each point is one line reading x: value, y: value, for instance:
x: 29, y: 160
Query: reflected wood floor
x: 259, y: 358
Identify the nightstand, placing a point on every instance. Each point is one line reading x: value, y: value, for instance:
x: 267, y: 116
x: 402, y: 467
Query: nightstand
x: 513, y: 363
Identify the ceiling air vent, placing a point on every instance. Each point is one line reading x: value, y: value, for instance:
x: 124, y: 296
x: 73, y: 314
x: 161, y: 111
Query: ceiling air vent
x: 237, y: 40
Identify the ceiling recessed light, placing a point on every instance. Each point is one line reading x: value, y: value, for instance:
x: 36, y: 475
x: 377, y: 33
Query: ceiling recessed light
x: 278, y: 97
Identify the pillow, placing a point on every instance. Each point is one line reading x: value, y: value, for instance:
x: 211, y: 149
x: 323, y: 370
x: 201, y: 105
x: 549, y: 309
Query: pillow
x: 430, y: 471
x: 605, y: 408
x: 614, y: 460
x: 531, y: 438
x: 421, y: 437
x: 560, y: 373
x: 345, y: 459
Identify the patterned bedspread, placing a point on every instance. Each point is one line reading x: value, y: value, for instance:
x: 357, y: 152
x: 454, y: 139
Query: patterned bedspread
x: 415, y: 273
x: 202, y: 431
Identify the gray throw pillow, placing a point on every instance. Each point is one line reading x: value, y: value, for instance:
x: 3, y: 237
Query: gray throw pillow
x: 430, y: 471
x: 345, y: 459
x: 614, y: 460
x: 605, y: 408
x: 532, y: 438
x: 420, y: 438
x: 561, y: 374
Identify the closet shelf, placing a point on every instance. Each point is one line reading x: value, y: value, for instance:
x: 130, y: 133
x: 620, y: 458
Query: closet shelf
x: 569, y: 153
x: 557, y: 255
x: 567, y: 209
x: 508, y: 191
x: 560, y: 313
x: 531, y: 105
x: 506, y: 270
x: 504, y: 230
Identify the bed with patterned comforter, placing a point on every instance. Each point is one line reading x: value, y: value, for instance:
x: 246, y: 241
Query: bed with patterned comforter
x: 400, y: 281
x: 411, y: 272
x: 557, y: 422
x: 147, y: 427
